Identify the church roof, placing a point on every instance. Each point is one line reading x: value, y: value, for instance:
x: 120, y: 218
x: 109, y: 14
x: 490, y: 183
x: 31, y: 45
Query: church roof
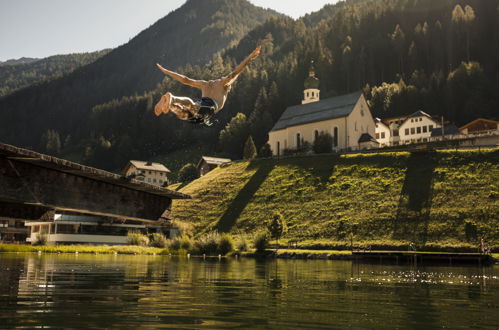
x: 330, y: 108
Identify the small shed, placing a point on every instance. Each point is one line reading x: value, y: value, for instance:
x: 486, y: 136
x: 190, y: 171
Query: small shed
x: 366, y: 141
x: 206, y: 164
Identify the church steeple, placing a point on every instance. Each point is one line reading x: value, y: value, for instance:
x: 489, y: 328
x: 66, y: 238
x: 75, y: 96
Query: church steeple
x: 311, y: 92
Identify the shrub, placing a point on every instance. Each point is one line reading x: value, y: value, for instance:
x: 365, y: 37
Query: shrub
x: 242, y: 244
x: 188, y: 173
x: 180, y: 243
x: 41, y: 239
x: 185, y: 243
x: 323, y: 143
x: 304, y: 148
x: 265, y: 151
x: 207, y: 244
x: 137, y: 238
x: 174, y: 244
x: 158, y: 240
x: 261, y: 241
x: 225, y: 244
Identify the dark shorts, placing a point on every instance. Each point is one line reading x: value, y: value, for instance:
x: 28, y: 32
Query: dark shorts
x: 207, y: 109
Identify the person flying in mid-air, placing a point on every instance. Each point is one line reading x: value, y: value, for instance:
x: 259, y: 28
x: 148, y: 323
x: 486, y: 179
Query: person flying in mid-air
x: 214, y: 95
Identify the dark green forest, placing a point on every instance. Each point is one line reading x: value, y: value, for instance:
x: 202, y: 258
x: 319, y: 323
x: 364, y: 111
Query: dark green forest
x: 22, y: 60
x: 28, y: 72
x: 188, y: 35
x: 441, y: 57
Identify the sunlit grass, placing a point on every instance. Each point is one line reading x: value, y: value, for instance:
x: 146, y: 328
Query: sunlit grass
x: 99, y: 249
x: 443, y: 201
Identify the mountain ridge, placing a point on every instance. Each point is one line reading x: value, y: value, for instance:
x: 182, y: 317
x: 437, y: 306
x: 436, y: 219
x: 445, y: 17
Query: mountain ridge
x: 23, y: 74
x: 174, y: 40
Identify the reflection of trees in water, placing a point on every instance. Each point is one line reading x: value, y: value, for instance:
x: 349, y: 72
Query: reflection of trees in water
x: 118, y: 291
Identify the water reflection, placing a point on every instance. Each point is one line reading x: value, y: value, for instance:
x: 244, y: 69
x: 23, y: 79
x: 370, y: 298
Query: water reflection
x: 135, y: 291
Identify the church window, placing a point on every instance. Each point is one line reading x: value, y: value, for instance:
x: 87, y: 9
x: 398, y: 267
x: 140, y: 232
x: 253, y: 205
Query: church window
x: 335, y: 137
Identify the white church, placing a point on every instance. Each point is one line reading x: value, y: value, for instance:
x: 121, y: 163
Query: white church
x: 346, y: 118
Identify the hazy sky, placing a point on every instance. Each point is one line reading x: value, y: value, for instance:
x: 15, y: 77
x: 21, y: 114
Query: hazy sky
x: 40, y: 28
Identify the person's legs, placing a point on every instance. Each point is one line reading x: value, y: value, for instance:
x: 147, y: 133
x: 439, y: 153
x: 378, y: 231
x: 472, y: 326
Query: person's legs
x: 163, y: 105
x: 182, y: 107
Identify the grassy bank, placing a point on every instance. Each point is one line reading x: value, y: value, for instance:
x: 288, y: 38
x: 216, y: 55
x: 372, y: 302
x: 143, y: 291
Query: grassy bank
x: 437, y: 201
x: 101, y: 249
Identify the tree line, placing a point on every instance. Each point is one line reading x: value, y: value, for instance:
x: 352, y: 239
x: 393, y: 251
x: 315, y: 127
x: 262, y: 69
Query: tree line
x: 441, y: 57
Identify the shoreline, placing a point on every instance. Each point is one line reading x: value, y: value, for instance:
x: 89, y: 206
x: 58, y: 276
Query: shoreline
x: 364, y: 256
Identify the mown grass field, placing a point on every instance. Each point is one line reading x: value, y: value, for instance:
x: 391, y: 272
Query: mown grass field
x: 442, y: 200
x: 99, y: 249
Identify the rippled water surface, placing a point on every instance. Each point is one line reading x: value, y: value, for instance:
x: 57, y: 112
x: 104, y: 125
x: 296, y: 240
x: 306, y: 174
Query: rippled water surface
x: 74, y: 291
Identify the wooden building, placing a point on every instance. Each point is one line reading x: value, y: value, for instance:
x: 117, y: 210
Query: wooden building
x: 480, y: 125
x: 207, y: 164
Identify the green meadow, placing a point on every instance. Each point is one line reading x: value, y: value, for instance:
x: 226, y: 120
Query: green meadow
x: 434, y: 201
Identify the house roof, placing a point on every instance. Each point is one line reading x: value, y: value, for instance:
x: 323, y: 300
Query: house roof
x: 330, y: 108
x: 213, y: 160
x: 388, y: 121
x: 489, y: 121
x: 419, y: 114
x: 379, y: 121
x: 366, y: 137
x: 149, y: 166
x: 448, y: 130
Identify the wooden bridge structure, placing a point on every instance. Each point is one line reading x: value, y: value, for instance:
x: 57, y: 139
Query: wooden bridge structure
x: 33, y: 186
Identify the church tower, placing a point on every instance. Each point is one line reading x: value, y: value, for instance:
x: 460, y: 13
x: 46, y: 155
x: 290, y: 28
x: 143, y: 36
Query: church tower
x: 311, y: 92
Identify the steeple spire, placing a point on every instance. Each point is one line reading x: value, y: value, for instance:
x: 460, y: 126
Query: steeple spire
x: 311, y: 71
x: 311, y: 92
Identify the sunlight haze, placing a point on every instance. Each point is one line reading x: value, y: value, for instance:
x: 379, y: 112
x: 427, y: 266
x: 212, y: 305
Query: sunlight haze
x: 34, y: 28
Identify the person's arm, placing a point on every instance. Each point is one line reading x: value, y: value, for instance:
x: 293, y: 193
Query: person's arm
x: 181, y: 78
x: 234, y: 74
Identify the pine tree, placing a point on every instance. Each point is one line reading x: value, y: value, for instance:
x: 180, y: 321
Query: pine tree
x: 277, y: 227
x: 249, y: 152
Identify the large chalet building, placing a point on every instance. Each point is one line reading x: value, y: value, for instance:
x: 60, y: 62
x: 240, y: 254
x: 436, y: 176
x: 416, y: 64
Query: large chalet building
x: 149, y: 172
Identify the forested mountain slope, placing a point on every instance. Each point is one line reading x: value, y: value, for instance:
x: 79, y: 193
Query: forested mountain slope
x: 441, y: 57
x: 188, y: 35
x: 22, y: 60
x: 25, y: 73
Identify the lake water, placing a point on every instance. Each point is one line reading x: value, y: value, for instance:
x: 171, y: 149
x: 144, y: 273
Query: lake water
x: 102, y: 291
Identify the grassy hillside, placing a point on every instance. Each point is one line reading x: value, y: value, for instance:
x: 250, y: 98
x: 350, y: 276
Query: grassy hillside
x: 435, y: 200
